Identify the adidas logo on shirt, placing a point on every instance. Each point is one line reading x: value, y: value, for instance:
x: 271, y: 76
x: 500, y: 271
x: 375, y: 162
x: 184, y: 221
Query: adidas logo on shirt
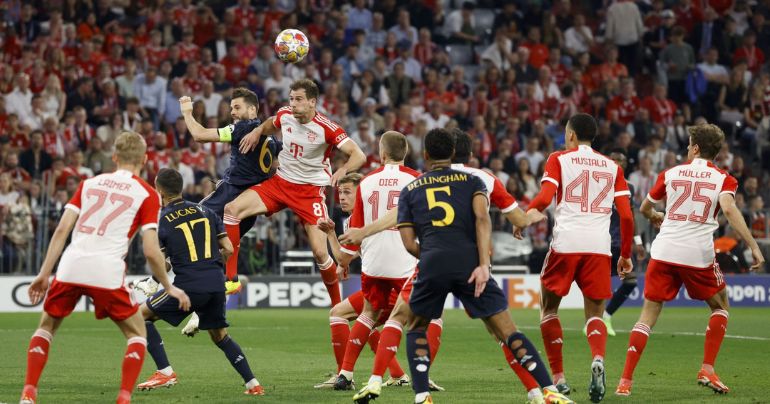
x: 37, y: 349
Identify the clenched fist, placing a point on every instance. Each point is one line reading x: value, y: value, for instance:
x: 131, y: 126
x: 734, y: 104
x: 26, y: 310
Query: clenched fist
x: 185, y: 103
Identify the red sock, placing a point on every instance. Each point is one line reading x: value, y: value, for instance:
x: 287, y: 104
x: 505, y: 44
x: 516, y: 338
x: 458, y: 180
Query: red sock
x: 132, y: 363
x: 596, y: 332
x: 340, y: 332
x: 233, y: 229
x: 359, y: 334
x: 390, y: 339
x: 715, y: 333
x: 524, y: 376
x: 434, y: 337
x: 374, y: 339
x: 329, y: 276
x: 37, y: 355
x: 553, y: 339
x: 636, y: 343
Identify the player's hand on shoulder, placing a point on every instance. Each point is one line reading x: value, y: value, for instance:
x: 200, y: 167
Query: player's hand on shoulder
x: 759, y: 260
x: 625, y: 266
x: 480, y: 276
x: 179, y: 294
x: 37, y: 289
x: 185, y: 104
x: 326, y: 225
x: 250, y: 141
x: 343, y: 272
x: 353, y: 236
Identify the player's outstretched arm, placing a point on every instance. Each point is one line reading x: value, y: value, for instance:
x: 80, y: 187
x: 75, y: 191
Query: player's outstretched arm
x: 225, y: 247
x: 155, y: 258
x: 480, y: 275
x: 198, y: 132
x: 356, y: 235
x: 735, y: 218
x: 343, y: 258
x: 356, y: 158
x: 251, y: 140
x: 40, y: 284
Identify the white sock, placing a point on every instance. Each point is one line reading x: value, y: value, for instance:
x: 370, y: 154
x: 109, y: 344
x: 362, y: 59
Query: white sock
x: 167, y: 371
x: 420, y: 397
x: 252, y: 383
x: 534, y: 393
x: 552, y: 388
x: 348, y: 375
x: 377, y: 379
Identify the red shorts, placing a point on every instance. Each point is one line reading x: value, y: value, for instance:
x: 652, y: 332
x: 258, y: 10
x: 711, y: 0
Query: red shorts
x: 663, y: 281
x: 379, y: 292
x: 406, y: 290
x: 117, y: 304
x: 357, y: 301
x: 306, y: 200
x: 591, y: 272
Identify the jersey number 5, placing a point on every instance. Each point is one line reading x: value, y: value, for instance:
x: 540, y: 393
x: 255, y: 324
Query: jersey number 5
x: 582, y: 198
x: 449, y: 212
x: 187, y: 229
x: 123, y: 202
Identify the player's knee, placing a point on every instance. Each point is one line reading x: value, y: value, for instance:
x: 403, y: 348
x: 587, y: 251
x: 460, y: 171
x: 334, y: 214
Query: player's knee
x: 322, y: 257
x: 418, y: 323
x: 217, y: 335
x: 232, y: 209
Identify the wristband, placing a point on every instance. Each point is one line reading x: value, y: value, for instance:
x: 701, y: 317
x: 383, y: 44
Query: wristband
x: 637, y: 240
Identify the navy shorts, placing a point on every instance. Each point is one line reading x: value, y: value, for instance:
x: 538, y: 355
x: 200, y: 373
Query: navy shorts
x: 210, y: 308
x: 430, y: 292
x: 224, y: 194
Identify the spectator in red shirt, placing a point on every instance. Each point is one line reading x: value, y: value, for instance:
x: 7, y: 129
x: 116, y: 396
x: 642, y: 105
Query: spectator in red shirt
x: 188, y: 50
x: 425, y: 48
x: 194, y: 156
x: 688, y: 14
x: 661, y: 108
x: 622, y: 108
x: 538, y: 53
x: 11, y: 166
x: 750, y: 53
x: 610, y: 69
x: 233, y: 64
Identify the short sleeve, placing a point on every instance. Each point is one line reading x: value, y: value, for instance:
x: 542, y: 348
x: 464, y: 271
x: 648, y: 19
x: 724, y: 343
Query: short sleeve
x: 501, y: 198
x: 335, y: 135
x: 478, y: 186
x: 75, y: 202
x: 405, y: 217
x: 658, y: 190
x: 280, y: 114
x: 148, y: 212
x: 729, y: 185
x: 356, y: 221
x: 621, y: 186
x: 552, y: 171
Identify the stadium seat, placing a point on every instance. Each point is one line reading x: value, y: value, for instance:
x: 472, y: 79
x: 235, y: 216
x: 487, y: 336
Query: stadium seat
x: 460, y: 54
x: 485, y: 19
x: 471, y: 72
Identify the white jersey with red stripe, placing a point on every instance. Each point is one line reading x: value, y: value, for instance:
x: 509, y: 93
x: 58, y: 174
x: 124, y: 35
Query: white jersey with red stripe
x: 383, y: 255
x: 111, y: 208
x: 691, y: 192
x: 496, y: 192
x: 304, y: 158
x: 587, y: 183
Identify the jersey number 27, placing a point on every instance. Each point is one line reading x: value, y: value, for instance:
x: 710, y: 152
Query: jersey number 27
x: 121, y: 202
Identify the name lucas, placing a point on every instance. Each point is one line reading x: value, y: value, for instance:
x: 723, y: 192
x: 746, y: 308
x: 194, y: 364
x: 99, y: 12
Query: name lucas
x: 180, y: 213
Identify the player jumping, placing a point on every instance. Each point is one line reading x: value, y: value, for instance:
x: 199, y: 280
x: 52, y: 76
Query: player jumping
x: 683, y: 251
x: 303, y: 174
x: 113, y: 206
x: 448, y: 211
x: 586, y: 183
x: 192, y: 237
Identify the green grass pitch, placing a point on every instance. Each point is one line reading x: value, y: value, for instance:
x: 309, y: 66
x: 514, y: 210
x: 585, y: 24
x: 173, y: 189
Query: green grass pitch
x: 289, y: 351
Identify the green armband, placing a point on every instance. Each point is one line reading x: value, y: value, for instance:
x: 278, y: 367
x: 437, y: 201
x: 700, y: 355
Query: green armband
x: 225, y: 134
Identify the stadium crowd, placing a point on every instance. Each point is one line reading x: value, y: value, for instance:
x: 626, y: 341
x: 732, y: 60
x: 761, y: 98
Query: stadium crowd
x: 75, y: 73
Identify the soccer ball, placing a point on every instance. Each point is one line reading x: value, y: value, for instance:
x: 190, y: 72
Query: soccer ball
x: 291, y: 45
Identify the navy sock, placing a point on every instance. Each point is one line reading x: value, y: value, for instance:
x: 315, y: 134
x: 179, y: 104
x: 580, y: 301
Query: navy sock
x: 620, y: 296
x: 526, y: 353
x: 236, y: 357
x: 418, y: 354
x: 155, y: 346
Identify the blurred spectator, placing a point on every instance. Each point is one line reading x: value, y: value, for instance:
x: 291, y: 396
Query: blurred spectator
x: 531, y: 152
x: 403, y: 28
x: 642, y: 179
x: 624, y: 30
x: 96, y: 159
x: 578, y: 38
x: 19, y: 101
x: 278, y: 81
x: 460, y: 25
x: 151, y: 92
x: 359, y: 16
x: 677, y: 59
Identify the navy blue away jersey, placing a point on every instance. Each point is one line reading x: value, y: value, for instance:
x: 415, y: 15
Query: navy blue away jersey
x: 253, y: 167
x: 439, y: 205
x: 189, y: 235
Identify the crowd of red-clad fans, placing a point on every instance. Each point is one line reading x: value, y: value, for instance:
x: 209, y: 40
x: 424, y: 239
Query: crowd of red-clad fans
x: 75, y: 73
